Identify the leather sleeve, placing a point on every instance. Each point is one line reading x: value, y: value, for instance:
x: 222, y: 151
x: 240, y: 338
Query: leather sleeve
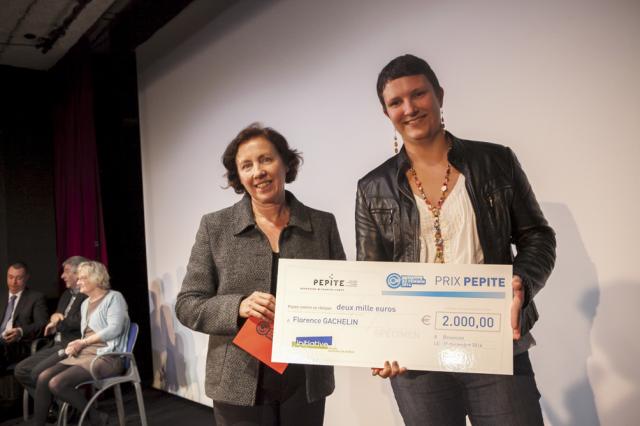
x: 531, y: 234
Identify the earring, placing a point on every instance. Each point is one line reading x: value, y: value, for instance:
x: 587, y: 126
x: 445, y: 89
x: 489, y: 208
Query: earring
x: 395, y: 141
x: 441, y: 118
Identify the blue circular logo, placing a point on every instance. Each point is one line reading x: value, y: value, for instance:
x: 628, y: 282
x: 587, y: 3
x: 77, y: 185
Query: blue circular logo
x: 394, y: 280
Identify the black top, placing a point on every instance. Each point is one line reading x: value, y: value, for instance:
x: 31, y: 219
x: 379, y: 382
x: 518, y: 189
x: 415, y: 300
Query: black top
x: 272, y: 386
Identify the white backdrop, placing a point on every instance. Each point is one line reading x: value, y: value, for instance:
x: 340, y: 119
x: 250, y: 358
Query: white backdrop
x: 555, y: 80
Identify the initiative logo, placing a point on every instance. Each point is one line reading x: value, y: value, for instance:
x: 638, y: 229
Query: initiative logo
x: 405, y: 281
x: 313, y: 342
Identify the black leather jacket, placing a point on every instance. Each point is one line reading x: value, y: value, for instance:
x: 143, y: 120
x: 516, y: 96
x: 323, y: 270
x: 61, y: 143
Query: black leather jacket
x: 388, y: 224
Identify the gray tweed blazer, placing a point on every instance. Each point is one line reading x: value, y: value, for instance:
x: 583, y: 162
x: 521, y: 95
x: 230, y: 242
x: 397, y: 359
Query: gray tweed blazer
x: 229, y: 260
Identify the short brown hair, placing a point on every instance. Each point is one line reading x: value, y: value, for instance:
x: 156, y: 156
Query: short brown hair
x: 291, y: 158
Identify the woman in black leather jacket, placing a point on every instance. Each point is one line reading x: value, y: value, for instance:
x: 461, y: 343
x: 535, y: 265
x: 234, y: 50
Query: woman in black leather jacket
x: 443, y: 199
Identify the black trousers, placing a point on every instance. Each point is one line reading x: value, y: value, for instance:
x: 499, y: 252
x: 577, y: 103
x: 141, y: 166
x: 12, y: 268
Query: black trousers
x: 281, y: 400
x: 11, y: 353
x: 295, y: 411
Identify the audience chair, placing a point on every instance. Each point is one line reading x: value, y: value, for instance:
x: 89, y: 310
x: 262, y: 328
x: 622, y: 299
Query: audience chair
x: 130, y: 375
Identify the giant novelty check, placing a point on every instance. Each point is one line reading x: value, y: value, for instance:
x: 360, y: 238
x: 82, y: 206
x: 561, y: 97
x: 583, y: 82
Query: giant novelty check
x: 439, y: 317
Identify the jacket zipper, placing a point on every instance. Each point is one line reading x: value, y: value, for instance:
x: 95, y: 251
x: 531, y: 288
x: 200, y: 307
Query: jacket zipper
x: 480, y: 227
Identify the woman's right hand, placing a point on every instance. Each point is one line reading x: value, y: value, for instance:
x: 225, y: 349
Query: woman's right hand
x: 73, y: 348
x: 259, y: 305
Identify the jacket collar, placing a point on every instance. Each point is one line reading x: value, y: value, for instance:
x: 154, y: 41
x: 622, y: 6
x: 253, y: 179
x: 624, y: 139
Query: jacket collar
x: 402, y: 161
x: 244, y: 218
x: 456, y: 156
x: 402, y: 165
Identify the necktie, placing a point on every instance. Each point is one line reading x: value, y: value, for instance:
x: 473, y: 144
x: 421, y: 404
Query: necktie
x: 58, y: 336
x: 8, y: 312
x: 68, y: 308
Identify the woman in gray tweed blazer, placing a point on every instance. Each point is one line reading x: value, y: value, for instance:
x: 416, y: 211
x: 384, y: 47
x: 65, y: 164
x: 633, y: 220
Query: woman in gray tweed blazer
x: 231, y: 276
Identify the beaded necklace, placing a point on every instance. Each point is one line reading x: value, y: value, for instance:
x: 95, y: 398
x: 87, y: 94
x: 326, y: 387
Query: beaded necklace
x: 435, y: 210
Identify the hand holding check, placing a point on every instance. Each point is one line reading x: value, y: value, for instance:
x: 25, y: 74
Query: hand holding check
x: 393, y: 369
x: 259, y: 305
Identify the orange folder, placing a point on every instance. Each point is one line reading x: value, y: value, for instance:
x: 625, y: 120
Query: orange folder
x: 256, y: 338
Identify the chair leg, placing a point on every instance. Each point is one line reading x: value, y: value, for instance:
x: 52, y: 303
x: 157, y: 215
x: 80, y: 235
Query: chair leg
x: 62, y: 415
x: 143, y: 414
x: 92, y: 401
x: 119, y: 404
x: 25, y: 405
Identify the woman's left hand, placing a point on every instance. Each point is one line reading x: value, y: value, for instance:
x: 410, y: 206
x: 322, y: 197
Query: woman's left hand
x: 74, y: 348
x: 258, y: 304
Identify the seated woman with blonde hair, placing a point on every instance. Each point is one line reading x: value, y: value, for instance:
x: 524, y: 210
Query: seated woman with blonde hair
x: 104, y: 327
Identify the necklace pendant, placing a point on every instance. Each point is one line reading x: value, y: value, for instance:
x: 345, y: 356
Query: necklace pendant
x: 435, y: 211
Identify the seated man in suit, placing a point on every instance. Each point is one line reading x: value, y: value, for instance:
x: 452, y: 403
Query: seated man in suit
x: 24, y: 313
x: 64, y: 325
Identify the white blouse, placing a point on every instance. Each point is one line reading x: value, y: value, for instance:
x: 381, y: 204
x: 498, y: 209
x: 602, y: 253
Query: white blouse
x: 458, y: 226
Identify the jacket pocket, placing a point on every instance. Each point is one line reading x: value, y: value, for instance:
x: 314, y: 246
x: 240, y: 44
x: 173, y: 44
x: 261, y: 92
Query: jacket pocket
x: 382, y: 216
x: 216, y: 357
x: 387, y: 224
x: 494, y: 216
x: 496, y: 197
x: 388, y: 230
x: 496, y: 193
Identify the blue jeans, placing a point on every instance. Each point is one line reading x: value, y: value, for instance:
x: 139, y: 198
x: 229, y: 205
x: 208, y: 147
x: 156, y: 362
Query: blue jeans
x: 437, y: 398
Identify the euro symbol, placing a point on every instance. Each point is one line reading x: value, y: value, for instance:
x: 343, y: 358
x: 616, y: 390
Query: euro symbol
x: 426, y: 320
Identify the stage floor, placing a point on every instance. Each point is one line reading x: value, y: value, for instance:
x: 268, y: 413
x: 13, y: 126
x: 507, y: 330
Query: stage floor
x: 163, y: 409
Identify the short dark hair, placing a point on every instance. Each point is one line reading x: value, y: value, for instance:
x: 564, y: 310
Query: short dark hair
x: 404, y: 66
x: 19, y: 264
x: 291, y: 158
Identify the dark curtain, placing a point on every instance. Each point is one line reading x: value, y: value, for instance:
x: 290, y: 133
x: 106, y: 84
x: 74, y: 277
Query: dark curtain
x: 79, y: 221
